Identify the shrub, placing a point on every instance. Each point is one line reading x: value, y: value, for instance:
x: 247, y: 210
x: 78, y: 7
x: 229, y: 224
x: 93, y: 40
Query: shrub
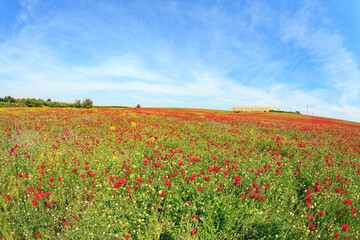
x: 87, y: 103
x: 77, y: 104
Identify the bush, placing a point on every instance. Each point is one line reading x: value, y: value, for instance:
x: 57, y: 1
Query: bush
x: 138, y: 106
x: 77, y: 104
x: 87, y: 103
x: 11, y: 104
x: 8, y: 99
x: 32, y: 102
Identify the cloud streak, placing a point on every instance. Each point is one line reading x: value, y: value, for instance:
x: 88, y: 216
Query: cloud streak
x: 326, y: 48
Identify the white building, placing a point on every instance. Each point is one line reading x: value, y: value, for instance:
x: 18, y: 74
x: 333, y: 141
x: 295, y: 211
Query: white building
x: 252, y: 109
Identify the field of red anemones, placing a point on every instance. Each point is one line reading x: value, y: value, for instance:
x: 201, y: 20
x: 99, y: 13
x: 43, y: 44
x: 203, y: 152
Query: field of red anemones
x: 177, y: 174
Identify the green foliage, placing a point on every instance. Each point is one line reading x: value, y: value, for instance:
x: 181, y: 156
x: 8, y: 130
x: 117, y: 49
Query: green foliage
x: 282, y: 111
x: 12, y: 104
x: 138, y: 106
x: 9, y: 101
x: 33, y: 102
x: 87, y: 103
x: 77, y: 104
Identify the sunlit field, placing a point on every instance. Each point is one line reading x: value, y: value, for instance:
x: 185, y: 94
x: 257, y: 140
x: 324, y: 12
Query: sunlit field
x: 177, y: 174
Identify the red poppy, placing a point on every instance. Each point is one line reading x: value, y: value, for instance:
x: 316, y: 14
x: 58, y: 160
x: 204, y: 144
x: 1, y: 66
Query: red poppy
x: 34, y: 201
x: 353, y: 212
x: 237, y: 179
x: 345, y: 227
x: 312, y: 226
x: 8, y: 197
x: 194, y: 232
x: 66, y: 223
x: 75, y: 217
x: 200, y: 188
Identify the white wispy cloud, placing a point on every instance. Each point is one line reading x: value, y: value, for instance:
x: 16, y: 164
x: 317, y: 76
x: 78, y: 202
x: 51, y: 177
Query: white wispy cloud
x: 325, y: 46
x: 128, y: 67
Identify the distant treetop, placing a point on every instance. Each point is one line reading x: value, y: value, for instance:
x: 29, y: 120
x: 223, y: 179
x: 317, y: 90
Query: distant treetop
x: 9, y: 101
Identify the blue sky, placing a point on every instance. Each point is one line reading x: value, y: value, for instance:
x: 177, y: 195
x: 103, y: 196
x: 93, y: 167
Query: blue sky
x: 205, y: 54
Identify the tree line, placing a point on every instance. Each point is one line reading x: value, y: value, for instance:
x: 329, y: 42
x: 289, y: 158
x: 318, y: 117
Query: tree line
x: 9, y: 101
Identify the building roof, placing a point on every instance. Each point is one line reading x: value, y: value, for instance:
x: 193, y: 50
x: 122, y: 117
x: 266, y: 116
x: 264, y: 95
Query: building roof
x: 252, y: 109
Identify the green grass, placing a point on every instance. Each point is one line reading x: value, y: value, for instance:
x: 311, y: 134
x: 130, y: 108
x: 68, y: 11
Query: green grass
x: 106, y: 146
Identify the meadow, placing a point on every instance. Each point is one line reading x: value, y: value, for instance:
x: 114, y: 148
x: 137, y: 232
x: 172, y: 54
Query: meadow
x: 138, y: 173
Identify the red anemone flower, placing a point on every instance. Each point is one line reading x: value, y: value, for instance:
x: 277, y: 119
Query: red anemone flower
x: 345, y: 227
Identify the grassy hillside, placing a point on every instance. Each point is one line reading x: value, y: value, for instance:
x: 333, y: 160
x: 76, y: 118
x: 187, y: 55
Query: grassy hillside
x: 144, y: 173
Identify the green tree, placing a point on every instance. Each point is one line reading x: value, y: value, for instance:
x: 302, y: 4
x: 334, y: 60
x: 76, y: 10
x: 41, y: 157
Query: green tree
x: 9, y: 99
x: 77, y: 104
x: 138, y: 106
x: 87, y: 103
x: 32, y: 102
